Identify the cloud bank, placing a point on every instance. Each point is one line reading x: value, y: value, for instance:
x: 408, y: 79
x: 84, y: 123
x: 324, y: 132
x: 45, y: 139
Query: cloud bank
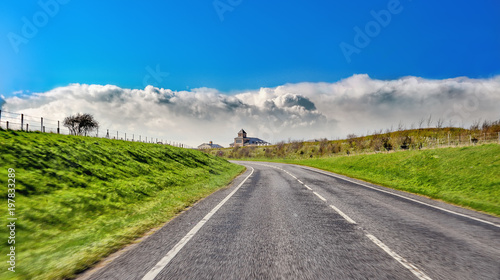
x: 305, y: 111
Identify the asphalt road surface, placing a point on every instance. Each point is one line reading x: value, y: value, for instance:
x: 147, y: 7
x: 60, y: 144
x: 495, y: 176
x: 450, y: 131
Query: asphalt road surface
x: 280, y: 221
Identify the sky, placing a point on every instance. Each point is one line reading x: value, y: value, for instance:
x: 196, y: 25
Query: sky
x: 195, y: 71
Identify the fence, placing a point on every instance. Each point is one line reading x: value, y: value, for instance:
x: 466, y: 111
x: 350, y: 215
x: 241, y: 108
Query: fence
x: 385, y: 143
x: 18, y: 121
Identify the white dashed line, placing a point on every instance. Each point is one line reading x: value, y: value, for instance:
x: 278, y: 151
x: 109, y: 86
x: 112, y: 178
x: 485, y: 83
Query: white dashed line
x: 413, y: 269
x: 173, y: 252
x: 417, y: 272
x: 320, y: 197
x: 402, y: 196
x: 343, y: 215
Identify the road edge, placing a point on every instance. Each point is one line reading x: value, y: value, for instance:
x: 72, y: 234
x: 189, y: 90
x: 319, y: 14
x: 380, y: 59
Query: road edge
x: 96, y: 267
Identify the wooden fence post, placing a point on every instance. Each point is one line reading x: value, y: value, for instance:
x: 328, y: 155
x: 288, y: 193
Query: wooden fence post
x: 41, y: 124
x: 22, y: 121
x: 27, y: 127
x: 58, y: 128
x: 498, y: 133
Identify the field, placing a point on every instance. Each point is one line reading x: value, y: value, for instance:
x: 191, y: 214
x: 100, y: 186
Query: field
x: 465, y: 176
x: 79, y: 199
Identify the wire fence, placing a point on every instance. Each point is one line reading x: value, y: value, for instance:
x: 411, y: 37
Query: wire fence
x: 437, y: 140
x: 429, y: 140
x: 24, y: 122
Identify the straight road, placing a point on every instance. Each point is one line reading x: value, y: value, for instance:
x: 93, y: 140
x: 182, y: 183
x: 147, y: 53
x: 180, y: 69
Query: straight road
x: 281, y: 221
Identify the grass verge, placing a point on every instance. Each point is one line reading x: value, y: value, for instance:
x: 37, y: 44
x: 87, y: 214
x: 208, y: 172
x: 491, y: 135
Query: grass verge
x: 466, y: 176
x: 78, y: 199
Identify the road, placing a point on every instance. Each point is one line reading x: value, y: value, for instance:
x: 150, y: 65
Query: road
x: 280, y: 221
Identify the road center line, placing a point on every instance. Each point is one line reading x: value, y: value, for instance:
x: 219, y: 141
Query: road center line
x: 320, y: 197
x: 402, y: 196
x: 413, y: 269
x: 173, y: 252
x: 343, y: 215
x: 417, y: 272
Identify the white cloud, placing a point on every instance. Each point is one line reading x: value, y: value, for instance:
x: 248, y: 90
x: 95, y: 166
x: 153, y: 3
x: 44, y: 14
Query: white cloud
x: 299, y: 111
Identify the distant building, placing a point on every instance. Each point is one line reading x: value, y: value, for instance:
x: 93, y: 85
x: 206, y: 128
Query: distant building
x: 209, y: 145
x: 243, y: 140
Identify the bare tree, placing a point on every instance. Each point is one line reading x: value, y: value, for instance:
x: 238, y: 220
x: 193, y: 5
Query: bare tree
x: 439, y: 123
x: 429, y: 121
x: 476, y: 124
x: 81, y: 124
x: 421, y: 123
x: 401, y: 126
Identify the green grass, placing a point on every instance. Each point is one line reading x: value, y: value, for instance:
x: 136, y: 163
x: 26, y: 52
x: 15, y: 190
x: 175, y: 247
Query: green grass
x: 78, y: 199
x: 466, y: 176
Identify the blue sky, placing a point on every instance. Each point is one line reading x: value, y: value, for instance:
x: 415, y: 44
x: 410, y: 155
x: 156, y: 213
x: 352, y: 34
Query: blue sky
x: 256, y: 44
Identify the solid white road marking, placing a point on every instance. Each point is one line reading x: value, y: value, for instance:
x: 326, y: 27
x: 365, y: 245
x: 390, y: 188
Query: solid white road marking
x: 407, y: 198
x: 417, y: 272
x: 308, y: 187
x: 171, y: 254
x: 320, y: 197
x: 300, y: 181
x: 343, y: 215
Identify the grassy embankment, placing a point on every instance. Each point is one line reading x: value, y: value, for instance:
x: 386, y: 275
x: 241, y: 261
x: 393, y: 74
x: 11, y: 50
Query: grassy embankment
x: 413, y: 139
x: 78, y: 198
x: 465, y: 176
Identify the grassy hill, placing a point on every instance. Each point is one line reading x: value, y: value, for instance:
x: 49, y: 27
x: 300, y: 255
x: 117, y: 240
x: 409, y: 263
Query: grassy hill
x: 412, y: 139
x: 79, y: 198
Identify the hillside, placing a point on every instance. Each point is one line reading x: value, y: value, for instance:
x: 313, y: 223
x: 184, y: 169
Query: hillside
x: 412, y: 139
x: 80, y: 198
